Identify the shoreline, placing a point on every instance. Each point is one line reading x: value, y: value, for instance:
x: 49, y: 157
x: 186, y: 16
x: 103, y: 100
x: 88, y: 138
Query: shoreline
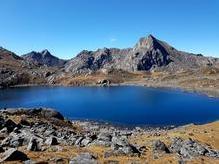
x: 199, y: 91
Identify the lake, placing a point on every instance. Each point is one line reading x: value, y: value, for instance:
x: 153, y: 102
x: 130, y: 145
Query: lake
x: 124, y: 105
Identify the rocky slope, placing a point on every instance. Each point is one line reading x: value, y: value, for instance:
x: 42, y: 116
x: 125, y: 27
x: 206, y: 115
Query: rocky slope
x: 42, y: 135
x: 43, y: 58
x: 148, y: 54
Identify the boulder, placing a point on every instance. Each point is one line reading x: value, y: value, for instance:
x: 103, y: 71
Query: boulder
x: 13, y: 155
x: 188, y: 148
x: 34, y: 145
x: 1, y: 149
x: 160, y: 146
x: 51, y: 141
x: 120, y: 141
x: 84, y: 158
x: 10, y: 125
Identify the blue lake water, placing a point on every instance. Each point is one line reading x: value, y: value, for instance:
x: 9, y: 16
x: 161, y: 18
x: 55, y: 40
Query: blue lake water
x: 125, y: 105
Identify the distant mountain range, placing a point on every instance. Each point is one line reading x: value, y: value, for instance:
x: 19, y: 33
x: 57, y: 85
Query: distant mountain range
x: 149, y: 54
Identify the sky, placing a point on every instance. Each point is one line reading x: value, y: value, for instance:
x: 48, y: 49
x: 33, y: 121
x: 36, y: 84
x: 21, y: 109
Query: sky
x: 66, y: 27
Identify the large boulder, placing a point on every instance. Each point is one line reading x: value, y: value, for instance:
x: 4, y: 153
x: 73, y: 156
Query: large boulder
x: 34, y: 144
x: 13, y: 155
x: 160, y: 146
x: 190, y: 148
x: 84, y: 158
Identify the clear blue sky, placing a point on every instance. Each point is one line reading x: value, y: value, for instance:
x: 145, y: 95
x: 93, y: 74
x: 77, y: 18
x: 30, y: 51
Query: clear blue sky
x: 66, y: 27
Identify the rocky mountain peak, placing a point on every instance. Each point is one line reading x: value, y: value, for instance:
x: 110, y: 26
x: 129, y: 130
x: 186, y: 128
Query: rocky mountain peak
x: 43, y: 58
x: 149, y: 42
x: 45, y: 52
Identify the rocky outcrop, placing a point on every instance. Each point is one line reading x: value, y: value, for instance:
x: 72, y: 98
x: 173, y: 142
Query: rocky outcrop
x: 43, y: 58
x: 38, y: 112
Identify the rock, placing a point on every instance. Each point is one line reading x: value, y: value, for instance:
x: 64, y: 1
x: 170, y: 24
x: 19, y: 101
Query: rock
x: 84, y: 158
x: 47, y: 113
x: 78, y: 141
x: 34, y: 145
x: 1, y: 149
x: 24, y: 122
x: 51, y: 141
x: 188, y: 148
x: 104, y: 137
x: 86, y: 141
x: 212, y: 153
x: 101, y: 143
x: 119, y: 141
x: 104, y: 82
x: 160, y: 146
x: 13, y: 155
x: 130, y: 150
x: 2, y: 122
x: 176, y: 145
x: 10, y: 125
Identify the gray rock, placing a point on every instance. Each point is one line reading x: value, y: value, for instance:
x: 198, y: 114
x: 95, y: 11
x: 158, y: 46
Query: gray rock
x: 51, y: 141
x: 10, y: 125
x: 84, y: 158
x: 120, y: 141
x: 1, y: 149
x: 189, y: 148
x: 13, y: 155
x: 160, y: 146
x: 86, y: 141
x: 104, y: 137
x: 78, y: 141
x: 34, y: 144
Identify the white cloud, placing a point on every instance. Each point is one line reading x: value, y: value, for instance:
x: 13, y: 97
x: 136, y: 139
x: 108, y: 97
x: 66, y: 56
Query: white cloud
x: 113, y: 40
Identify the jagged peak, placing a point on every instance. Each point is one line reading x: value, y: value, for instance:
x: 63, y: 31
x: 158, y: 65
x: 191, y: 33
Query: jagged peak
x: 149, y: 42
x: 45, y: 53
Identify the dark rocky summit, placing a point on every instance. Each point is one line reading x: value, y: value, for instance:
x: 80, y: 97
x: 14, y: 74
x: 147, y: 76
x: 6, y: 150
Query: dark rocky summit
x: 43, y: 58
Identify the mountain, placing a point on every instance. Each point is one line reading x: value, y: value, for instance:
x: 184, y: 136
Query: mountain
x: 43, y: 58
x: 148, y: 54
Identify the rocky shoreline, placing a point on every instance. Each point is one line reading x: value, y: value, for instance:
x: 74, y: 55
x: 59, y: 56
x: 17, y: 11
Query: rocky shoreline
x: 43, y: 135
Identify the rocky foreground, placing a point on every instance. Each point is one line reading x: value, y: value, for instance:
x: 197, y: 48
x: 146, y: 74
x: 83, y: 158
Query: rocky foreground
x: 44, y: 136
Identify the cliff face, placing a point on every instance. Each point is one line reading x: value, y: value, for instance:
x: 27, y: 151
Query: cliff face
x: 148, y: 54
